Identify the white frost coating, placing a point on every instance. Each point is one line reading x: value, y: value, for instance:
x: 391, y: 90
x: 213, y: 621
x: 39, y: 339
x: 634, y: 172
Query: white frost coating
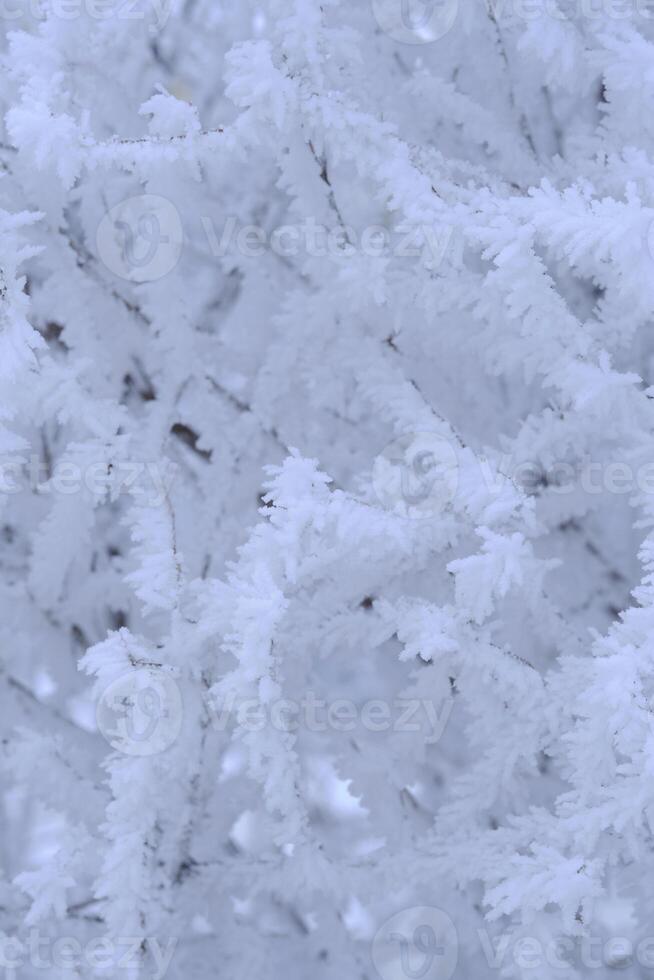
x: 327, y: 489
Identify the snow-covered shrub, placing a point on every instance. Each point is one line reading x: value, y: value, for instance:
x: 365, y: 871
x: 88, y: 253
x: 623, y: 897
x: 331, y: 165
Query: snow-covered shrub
x: 327, y: 471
